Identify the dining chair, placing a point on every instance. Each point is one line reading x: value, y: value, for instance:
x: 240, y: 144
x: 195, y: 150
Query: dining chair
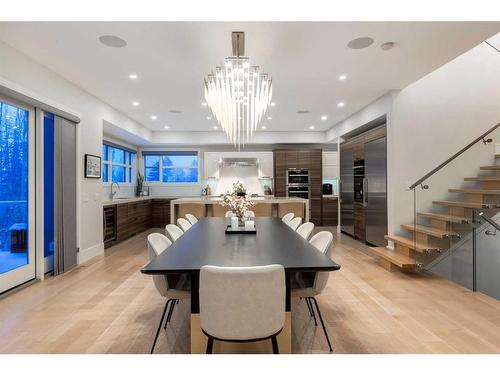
x: 174, y: 231
x: 249, y: 214
x: 289, y: 216
x: 230, y: 214
x: 157, y: 244
x: 295, y: 222
x: 191, y: 218
x: 321, y: 241
x: 305, y: 230
x: 242, y: 304
x: 184, y: 224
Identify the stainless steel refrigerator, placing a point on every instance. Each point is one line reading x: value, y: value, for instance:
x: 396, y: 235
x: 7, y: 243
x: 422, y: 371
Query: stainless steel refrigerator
x: 375, y: 195
x: 346, y: 190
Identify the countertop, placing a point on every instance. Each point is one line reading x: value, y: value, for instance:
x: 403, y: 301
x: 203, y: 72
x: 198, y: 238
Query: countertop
x: 132, y: 199
x: 330, y: 196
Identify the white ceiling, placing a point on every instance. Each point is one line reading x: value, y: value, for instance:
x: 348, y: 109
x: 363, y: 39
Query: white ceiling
x: 304, y: 60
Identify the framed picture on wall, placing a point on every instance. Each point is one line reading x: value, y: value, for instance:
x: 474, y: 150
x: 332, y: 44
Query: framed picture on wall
x: 92, y: 166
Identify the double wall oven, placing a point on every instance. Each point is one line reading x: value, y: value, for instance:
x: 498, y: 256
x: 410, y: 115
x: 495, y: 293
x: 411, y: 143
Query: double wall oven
x: 297, y: 183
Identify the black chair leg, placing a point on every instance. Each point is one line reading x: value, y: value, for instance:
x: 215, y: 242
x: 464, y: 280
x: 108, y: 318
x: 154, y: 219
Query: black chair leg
x: 210, y: 345
x: 275, y: 345
x: 170, y: 311
x: 309, y: 307
x: 322, y: 323
x: 312, y: 311
x: 159, y: 326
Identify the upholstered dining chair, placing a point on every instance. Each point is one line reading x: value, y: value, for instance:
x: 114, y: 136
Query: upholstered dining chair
x: 191, y: 218
x: 295, y: 222
x: 174, y: 231
x: 305, y: 230
x: 289, y: 216
x: 249, y: 214
x: 184, y: 224
x: 321, y: 241
x: 242, y: 304
x: 157, y: 244
x: 230, y: 214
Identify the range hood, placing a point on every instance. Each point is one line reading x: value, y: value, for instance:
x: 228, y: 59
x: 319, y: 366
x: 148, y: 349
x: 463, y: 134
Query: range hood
x: 239, y: 162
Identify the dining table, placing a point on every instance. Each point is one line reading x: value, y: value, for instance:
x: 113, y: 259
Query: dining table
x: 207, y: 243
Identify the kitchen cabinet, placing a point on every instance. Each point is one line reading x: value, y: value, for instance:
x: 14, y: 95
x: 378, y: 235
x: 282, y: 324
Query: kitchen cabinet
x: 330, y: 165
x: 330, y: 211
x: 280, y: 173
x: 265, y: 164
x: 211, y: 165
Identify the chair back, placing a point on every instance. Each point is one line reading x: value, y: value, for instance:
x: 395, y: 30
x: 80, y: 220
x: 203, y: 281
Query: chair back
x: 295, y: 222
x: 191, y: 218
x: 230, y: 214
x: 174, y: 232
x: 305, y: 230
x: 248, y: 214
x: 184, y: 224
x: 286, y: 218
x: 242, y: 303
x: 157, y: 244
x: 323, y: 242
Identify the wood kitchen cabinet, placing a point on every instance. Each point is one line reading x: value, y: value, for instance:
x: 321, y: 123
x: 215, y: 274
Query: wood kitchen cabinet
x: 160, y: 213
x: 280, y: 173
x: 330, y: 211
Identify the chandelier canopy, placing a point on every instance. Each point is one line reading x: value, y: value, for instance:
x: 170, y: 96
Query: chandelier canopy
x: 238, y: 94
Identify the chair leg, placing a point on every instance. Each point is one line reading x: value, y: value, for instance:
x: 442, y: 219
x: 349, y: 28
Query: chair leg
x: 159, y: 326
x: 312, y: 311
x: 322, y: 323
x: 275, y: 345
x: 210, y: 345
x: 309, y: 307
x: 168, y: 314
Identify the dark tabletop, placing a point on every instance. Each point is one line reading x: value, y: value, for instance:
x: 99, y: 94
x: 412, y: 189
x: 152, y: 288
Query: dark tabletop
x: 207, y: 244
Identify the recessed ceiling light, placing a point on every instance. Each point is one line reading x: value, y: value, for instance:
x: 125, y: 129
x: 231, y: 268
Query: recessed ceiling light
x: 153, y: 117
x: 387, y: 46
x: 132, y: 76
x: 311, y: 127
x: 342, y: 77
x: 340, y: 104
x: 204, y: 104
x: 136, y: 104
x: 323, y: 118
x: 112, y: 41
x: 360, y: 43
x: 209, y: 118
x: 263, y: 127
x: 215, y: 127
x: 272, y: 104
x: 302, y: 111
x: 269, y: 118
x: 165, y: 127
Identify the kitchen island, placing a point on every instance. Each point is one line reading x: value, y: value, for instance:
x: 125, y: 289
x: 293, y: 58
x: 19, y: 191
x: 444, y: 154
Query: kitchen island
x: 209, y: 202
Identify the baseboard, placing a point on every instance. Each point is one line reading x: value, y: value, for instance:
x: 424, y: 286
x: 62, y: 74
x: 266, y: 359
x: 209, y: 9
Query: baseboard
x: 91, y: 252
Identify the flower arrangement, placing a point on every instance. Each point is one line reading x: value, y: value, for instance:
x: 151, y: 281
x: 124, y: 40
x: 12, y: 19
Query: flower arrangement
x: 237, y: 204
x: 238, y: 189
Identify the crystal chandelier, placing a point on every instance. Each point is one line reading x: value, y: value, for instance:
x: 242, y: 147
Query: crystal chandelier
x: 238, y: 94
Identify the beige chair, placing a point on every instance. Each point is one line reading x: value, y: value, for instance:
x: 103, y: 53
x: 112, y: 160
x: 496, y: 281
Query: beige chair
x: 295, y: 222
x: 263, y: 209
x: 157, y: 244
x: 286, y: 218
x: 248, y: 215
x: 229, y: 214
x: 196, y: 209
x: 192, y: 219
x: 218, y: 210
x: 321, y: 241
x: 184, y: 224
x: 242, y: 304
x: 174, y: 232
x: 305, y: 230
x: 297, y: 208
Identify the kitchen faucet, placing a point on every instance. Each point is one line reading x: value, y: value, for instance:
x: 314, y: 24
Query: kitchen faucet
x: 113, y: 193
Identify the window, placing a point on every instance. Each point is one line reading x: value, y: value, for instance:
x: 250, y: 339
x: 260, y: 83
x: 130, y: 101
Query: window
x: 171, y: 167
x: 118, y: 164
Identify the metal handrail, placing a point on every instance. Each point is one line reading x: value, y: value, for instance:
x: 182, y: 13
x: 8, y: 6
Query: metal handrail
x: 491, y: 222
x: 450, y: 159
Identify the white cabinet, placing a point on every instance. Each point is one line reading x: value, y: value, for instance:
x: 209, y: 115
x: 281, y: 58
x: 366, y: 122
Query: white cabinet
x: 211, y: 165
x: 330, y: 165
x: 266, y: 167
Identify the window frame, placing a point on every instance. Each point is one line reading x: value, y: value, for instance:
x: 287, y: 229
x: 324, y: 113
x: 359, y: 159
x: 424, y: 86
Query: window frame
x: 109, y: 165
x: 161, y: 154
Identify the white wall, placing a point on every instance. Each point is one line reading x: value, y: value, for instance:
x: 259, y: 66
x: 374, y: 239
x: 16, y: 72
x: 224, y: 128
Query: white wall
x: 25, y: 72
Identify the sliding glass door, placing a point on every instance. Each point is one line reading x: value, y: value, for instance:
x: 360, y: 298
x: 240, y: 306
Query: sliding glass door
x: 17, y: 229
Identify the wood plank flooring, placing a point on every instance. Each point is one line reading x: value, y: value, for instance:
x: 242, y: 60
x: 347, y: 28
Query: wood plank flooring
x: 108, y: 306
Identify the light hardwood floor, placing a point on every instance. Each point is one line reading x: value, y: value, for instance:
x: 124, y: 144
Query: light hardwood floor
x: 108, y: 306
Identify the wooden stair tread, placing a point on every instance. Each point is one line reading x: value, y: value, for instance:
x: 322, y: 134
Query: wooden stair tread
x: 444, y: 217
x: 434, y: 232
x: 484, y: 178
x: 409, y: 243
x: 396, y: 258
x: 461, y: 204
x: 490, y: 168
x: 475, y: 191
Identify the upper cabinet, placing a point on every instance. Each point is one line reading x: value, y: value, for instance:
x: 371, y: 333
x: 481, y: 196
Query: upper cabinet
x: 211, y: 165
x: 330, y: 165
x: 266, y: 169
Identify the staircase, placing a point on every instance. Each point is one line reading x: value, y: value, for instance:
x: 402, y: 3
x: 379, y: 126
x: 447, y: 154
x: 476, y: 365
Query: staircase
x: 422, y: 243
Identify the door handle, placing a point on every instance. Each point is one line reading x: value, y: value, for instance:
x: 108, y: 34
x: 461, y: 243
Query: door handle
x: 365, y: 191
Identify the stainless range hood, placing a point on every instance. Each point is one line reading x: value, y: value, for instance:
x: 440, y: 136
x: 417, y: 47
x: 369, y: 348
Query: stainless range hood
x: 239, y: 162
